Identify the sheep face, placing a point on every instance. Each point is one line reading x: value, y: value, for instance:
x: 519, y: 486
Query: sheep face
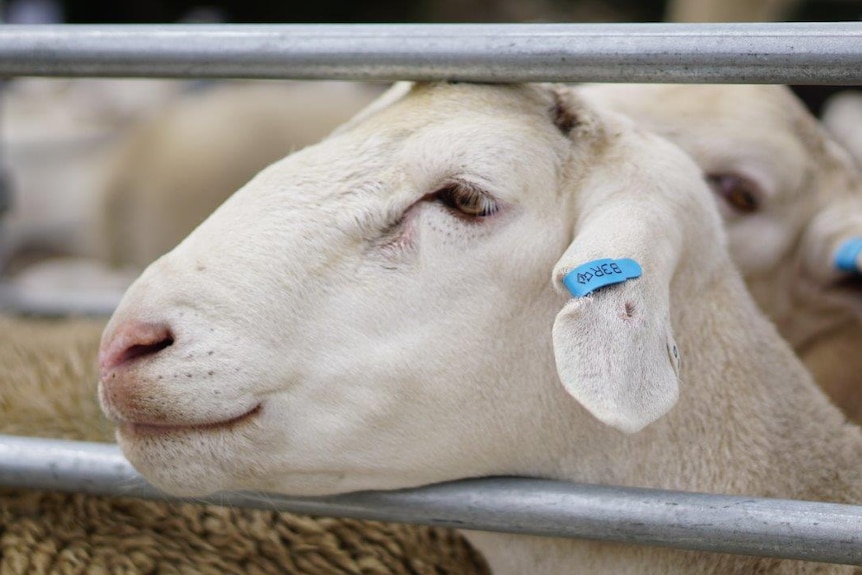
x: 788, y: 195
x: 375, y: 312
x: 324, y: 294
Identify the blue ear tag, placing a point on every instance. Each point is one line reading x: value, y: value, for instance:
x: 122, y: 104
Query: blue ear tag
x: 848, y: 252
x: 587, y: 278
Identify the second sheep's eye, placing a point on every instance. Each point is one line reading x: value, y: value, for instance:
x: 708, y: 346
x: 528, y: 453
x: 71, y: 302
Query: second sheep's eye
x: 466, y: 202
x: 738, y: 191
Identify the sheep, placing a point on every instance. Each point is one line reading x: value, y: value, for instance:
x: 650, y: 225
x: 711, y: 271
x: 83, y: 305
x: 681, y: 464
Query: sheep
x: 135, y: 192
x: 60, y: 137
x: 177, y: 168
x: 51, y: 206
x: 789, y: 197
x: 48, y: 373
x: 374, y: 312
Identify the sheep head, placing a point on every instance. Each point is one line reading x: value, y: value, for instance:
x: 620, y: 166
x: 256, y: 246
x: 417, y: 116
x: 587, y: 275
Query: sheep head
x: 789, y: 196
x: 375, y: 311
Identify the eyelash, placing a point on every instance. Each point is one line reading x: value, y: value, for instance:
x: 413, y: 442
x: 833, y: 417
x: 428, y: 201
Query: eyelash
x: 466, y: 202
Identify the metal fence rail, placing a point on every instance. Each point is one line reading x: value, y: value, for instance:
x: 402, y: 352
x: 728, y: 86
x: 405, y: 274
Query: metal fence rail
x: 56, y: 302
x: 744, y: 525
x: 800, y: 53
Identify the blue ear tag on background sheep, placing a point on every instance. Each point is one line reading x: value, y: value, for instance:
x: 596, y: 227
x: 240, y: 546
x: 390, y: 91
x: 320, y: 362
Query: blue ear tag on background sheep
x: 847, y: 254
x: 587, y: 278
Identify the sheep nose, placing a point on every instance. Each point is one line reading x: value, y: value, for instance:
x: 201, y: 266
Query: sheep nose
x: 133, y: 342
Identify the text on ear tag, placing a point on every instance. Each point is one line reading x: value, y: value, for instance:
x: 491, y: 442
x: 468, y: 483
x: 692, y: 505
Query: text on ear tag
x: 587, y: 278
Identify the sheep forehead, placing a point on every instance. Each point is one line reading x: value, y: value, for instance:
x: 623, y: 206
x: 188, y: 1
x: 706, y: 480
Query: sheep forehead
x: 501, y: 134
x: 430, y: 103
x: 501, y: 111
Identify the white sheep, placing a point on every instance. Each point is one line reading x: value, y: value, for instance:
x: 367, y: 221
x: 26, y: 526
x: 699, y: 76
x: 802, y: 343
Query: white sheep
x: 59, y: 139
x: 790, y: 198
x: 385, y: 310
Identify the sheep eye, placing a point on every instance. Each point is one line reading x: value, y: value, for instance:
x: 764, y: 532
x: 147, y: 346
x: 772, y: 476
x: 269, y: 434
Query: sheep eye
x: 466, y: 202
x: 739, y: 192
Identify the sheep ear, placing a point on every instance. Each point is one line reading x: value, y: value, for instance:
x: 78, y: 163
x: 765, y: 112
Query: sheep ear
x: 831, y: 246
x: 613, y: 340
x: 615, y: 352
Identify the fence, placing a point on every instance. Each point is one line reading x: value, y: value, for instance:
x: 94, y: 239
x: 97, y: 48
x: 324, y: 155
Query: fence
x: 737, y: 53
x: 828, y: 53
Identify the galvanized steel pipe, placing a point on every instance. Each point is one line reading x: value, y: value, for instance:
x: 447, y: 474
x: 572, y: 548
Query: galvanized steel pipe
x: 802, y: 53
x: 744, y: 525
x: 56, y: 302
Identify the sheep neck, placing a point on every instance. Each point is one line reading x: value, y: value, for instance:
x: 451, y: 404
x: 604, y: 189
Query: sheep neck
x: 749, y: 421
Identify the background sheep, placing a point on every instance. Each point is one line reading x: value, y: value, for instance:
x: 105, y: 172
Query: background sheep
x: 48, y: 373
x: 59, y: 138
x: 789, y: 196
x: 176, y: 169
x: 140, y: 186
x: 402, y: 331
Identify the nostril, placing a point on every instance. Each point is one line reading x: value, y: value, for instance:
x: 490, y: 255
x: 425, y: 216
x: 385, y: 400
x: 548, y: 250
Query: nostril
x: 141, y: 350
x: 134, y: 342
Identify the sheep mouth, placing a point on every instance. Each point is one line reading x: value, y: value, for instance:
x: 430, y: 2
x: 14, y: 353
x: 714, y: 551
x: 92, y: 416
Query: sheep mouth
x: 134, y: 429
